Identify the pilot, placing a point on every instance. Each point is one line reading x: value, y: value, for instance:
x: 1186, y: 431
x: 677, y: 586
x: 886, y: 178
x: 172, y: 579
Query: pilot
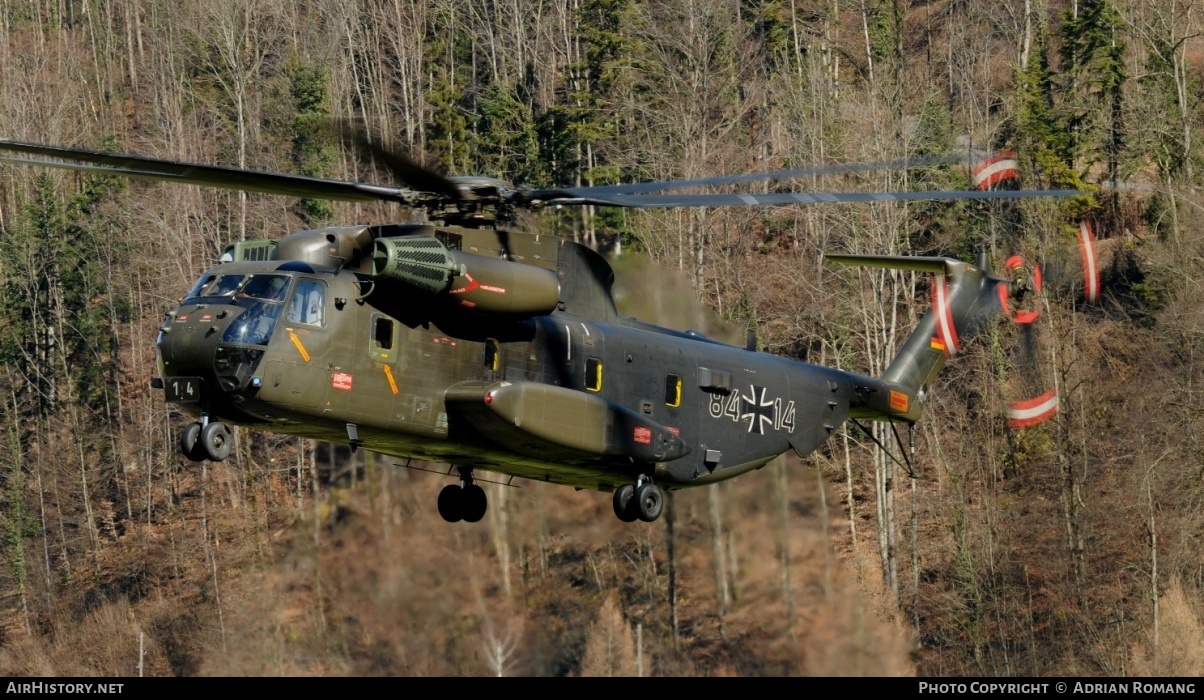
x: 273, y: 290
x: 313, y: 306
x: 276, y: 288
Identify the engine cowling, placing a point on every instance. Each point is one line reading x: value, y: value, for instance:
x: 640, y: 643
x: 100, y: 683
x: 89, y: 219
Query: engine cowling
x: 464, y: 280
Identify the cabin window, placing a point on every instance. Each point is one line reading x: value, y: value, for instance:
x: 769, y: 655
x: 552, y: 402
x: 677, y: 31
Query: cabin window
x: 672, y: 390
x: 593, y: 374
x: 493, y: 355
x: 384, y: 338
x: 309, y: 304
x: 382, y: 333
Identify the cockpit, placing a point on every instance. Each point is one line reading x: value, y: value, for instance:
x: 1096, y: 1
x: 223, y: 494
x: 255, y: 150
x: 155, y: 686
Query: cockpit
x: 262, y: 299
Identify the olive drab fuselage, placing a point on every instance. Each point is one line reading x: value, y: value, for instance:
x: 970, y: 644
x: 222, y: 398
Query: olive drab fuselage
x: 484, y: 348
x: 450, y: 353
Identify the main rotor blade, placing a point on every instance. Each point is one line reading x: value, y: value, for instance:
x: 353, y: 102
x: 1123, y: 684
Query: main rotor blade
x: 207, y: 175
x: 917, y: 263
x: 644, y: 187
x: 401, y: 166
x: 786, y: 198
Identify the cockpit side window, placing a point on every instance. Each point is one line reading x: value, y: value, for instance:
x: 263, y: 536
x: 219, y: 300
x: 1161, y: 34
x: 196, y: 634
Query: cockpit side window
x: 202, y: 283
x: 309, y: 304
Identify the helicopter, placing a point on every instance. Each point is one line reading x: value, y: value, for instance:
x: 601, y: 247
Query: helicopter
x: 466, y: 342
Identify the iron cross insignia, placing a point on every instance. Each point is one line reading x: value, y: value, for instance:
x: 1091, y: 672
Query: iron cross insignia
x: 757, y: 409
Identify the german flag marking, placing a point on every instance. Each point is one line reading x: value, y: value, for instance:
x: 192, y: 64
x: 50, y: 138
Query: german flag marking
x: 292, y: 335
x: 945, y: 328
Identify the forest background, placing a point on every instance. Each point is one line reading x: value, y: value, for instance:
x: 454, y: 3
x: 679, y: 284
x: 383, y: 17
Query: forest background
x: 1072, y: 548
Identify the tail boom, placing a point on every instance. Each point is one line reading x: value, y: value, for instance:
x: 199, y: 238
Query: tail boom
x: 960, y: 295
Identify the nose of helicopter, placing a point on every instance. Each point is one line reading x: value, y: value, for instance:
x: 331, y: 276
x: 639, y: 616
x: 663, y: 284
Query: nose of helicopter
x: 195, y: 342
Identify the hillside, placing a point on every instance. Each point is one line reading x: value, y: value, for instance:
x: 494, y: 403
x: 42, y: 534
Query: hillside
x: 1070, y: 548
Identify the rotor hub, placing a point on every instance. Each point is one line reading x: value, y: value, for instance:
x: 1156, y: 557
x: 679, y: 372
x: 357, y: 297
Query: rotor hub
x: 1020, y: 297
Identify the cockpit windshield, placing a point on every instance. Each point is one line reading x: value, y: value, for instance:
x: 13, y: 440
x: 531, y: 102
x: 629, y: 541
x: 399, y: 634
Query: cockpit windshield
x: 255, y: 325
x: 262, y: 297
x: 215, y: 286
x: 266, y: 287
x: 270, y: 287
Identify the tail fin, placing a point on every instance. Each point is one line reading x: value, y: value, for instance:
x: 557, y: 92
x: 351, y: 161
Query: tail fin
x: 961, y: 295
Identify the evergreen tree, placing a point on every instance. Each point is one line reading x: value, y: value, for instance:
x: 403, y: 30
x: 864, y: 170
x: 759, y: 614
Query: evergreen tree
x: 312, y: 151
x: 1093, y: 77
x: 55, y: 304
x: 1043, y: 133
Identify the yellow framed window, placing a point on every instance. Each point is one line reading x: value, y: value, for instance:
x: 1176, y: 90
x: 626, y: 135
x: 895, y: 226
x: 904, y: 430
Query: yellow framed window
x: 672, y: 390
x: 593, y: 374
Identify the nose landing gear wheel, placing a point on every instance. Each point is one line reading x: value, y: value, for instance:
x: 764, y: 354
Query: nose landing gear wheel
x: 190, y: 442
x: 623, y: 504
x: 215, y: 441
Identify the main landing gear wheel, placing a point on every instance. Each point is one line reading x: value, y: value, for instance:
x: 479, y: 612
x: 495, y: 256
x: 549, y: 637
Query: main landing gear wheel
x: 465, y: 502
x: 473, y: 502
x: 649, y: 502
x: 623, y: 503
x: 449, y: 503
x: 644, y: 502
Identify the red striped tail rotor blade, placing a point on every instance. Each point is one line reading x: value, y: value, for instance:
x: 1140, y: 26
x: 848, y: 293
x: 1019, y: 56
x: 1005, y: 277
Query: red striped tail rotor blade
x: 1043, y: 403
x: 995, y: 170
x: 1090, y: 263
x: 1030, y: 412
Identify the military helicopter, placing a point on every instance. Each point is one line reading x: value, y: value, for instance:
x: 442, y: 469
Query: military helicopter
x: 463, y: 342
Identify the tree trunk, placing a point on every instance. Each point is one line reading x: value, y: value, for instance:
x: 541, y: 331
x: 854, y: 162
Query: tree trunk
x: 671, y: 555
x: 501, y: 535
x: 782, y: 501
x: 722, y: 594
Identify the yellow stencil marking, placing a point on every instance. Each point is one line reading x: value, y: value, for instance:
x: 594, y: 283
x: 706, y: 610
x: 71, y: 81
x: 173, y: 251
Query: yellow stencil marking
x: 300, y: 348
x: 392, y: 384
